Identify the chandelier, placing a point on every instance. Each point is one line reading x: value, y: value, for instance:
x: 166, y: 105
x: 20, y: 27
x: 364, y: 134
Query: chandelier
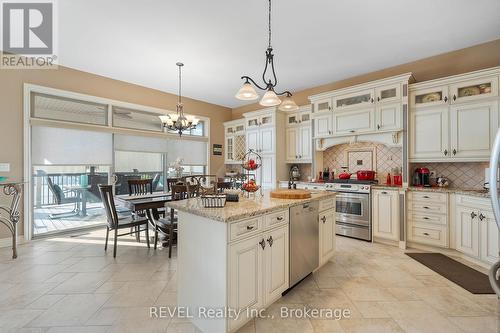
x: 270, y: 98
x: 179, y: 122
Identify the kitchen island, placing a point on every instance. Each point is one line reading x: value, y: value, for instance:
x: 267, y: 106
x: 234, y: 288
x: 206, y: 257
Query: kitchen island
x: 234, y: 261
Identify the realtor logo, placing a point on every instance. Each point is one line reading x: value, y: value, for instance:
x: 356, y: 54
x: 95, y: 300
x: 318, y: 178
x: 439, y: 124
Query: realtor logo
x: 28, y: 34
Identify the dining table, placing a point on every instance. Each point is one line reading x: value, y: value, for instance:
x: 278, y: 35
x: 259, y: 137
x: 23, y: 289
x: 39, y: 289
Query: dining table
x: 81, y: 192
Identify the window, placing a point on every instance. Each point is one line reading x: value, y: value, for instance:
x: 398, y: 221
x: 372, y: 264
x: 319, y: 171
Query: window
x: 66, y: 109
x: 133, y: 119
x: 138, y: 165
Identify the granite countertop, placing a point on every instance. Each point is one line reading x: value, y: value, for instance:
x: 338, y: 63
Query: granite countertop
x: 245, y: 208
x: 455, y: 190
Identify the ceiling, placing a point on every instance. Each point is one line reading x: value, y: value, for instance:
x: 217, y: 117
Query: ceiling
x: 315, y: 41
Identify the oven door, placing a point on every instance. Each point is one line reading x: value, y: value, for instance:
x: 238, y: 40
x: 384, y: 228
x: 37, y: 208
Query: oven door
x: 353, y: 208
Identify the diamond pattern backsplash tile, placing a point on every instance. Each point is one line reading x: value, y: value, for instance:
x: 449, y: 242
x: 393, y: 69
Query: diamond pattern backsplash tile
x: 388, y: 158
x: 460, y: 175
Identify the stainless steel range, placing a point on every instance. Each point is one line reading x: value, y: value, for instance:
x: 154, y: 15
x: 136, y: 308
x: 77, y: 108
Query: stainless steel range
x: 353, y: 218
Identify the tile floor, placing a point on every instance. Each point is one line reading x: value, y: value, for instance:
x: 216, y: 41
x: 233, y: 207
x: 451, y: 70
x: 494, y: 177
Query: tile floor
x: 68, y: 284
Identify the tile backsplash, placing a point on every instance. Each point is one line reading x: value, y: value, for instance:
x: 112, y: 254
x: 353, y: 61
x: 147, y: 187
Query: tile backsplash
x: 387, y: 157
x: 460, y: 174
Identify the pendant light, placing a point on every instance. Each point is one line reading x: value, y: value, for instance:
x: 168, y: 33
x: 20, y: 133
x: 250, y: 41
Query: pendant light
x: 247, y: 91
x: 179, y: 122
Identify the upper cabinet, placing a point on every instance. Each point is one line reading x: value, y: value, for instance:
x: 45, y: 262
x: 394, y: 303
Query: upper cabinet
x: 429, y: 97
x: 299, y: 136
x: 259, y: 120
x: 368, y: 108
x: 454, y: 119
x: 235, y: 145
x: 388, y: 93
x: 471, y: 90
x: 351, y: 100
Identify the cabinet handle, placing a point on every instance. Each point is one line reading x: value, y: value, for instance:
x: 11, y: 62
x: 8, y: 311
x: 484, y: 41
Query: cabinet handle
x: 425, y: 207
x: 426, y: 218
x: 300, y: 156
x: 352, y: 131
x: 371, y: 100
x: 473, y: 215
x: 262, y: 243
x: 378, y: 127
x: 383, y: 192
x: 445, y: 99
x: 296, y: 157
x: 481, y: 216
x: 279, y: 218
x: 454, y: 151
x: 426, y: 197
x: 426, y: 233
x: 378, y: 99
x: 445, y: 152
x: 323, y: 219
x: 270, y: 241
x: 250, y: 227
x: 454, y: 97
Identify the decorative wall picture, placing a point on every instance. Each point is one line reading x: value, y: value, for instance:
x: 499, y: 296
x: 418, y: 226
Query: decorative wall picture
x: 217, y: 149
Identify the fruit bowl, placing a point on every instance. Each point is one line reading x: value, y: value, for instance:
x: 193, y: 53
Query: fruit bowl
x: 250, y: 186
x: 250, y: 165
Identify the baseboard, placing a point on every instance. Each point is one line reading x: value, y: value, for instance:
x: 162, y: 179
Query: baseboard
x: 7, y: 242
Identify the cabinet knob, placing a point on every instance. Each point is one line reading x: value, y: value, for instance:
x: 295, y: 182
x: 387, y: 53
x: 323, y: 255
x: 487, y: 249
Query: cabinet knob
x: 454, y: 97
x: 323, y: 219
x: 378, y: 127
x: 262, y: 243
x: 270, y: 241
x: 296, y: 157
x: 481, y: 216
x: 300, y: 156
x: 454, y: 151
x: 473, y: 215
x: 445, y: 99
x: 445, y: 152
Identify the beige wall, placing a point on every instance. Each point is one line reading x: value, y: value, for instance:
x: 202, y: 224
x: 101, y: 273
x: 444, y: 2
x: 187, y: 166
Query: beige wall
x: 11, y: 109
x: 461, y: 61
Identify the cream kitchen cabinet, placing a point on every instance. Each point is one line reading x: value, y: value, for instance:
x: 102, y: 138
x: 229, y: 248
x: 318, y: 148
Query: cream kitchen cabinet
x: 388, y: 116
x: 258, y: 271
x: 323, y: 105
x: 246, y: 276
x: 362, y: 97
x: 323, y: 124
x: 426, y: 97
x: 429, y: 134
x: 475, y: 89
x: 472, y: 129
x: 299, y: 144
x: 326, y: 235
x: 388, y: 93
x: 299, y: 118
x: 356, y: 121
x: 268, y: 171
x: 385, y: 214
x: 476, y: 233
x: 261, y: 140
x: 235, y: 147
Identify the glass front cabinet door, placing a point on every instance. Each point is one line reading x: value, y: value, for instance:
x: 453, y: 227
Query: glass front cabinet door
x: 354, y: 99
x: 389, y: 93
x: 429, y: 96
x: 474, y: 89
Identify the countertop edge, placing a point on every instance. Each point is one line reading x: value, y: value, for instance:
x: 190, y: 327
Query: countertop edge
x: 471, y: 192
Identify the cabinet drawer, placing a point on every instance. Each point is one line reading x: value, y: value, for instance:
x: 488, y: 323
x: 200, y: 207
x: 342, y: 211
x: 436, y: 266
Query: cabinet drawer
x: 275, y: 219
x: 326, y: 204
x: 422, y: 233
x: 424, y: 196
x: 438, y: 219
x: 241, y: 229
x: 428, y: 207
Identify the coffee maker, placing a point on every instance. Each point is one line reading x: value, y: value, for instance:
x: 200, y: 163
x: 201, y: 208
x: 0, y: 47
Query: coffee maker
x: 421, y: 177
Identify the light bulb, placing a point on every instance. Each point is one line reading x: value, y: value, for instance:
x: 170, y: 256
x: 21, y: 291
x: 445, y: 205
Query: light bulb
x: 270, y: 99
x: 247, y: 92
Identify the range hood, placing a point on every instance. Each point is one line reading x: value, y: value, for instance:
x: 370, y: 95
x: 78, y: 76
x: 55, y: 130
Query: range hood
x: 390, y: 139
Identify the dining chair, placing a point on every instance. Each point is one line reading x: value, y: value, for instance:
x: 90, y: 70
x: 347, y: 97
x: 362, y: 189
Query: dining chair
x: 172, y: 181
x: 168, y: 225
x: 115, y: 223
x: 223, y: 185
x: 140, y: 186
x: 207, y: 184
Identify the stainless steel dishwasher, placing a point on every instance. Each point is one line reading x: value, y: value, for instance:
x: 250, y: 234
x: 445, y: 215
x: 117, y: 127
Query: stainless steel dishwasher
x: 304, y: 240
